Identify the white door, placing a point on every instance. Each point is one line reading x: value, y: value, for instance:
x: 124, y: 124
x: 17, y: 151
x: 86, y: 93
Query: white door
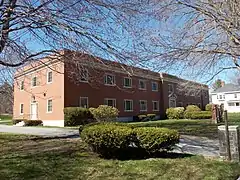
x: 33, y: 111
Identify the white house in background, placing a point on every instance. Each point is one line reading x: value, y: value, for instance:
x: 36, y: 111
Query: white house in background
x: 229, y: 95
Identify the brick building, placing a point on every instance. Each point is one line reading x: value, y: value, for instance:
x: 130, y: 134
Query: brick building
x: 44, y: 88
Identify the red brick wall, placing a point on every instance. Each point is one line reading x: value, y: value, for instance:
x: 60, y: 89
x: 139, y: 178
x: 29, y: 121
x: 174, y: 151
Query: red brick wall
x: 96, y: 91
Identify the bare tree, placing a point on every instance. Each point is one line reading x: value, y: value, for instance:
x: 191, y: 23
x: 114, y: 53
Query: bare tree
x: 198, y: 37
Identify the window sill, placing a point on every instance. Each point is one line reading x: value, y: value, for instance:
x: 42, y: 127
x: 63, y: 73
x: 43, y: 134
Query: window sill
x: 128, y: 110
x: 128, y: 87
x: 142, y: 89
x: 110, y: 84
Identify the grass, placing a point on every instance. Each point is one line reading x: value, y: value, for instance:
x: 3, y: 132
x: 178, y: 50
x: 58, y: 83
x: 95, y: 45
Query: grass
x: 28, y: 157
x: 6, y: 119
x: 203, y: 128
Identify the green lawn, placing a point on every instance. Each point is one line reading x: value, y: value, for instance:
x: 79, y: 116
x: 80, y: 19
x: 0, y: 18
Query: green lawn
x: 25, y: 157
x: 6, y: 119
x: 204, y: 128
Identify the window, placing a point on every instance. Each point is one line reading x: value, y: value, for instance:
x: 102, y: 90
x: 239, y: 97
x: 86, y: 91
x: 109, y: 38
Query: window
x: 205, y: 94
x: 109, y: 79
x: 199, y: 105
x: 49, y: 105
x: 154, y: 86
x: 172, y: 102
x: 127, y: 82
x: 49, y: 77
x: 235, y: 95
x: 21, y: 109
x: 142, y: 84
x: 155, y: 105
x: 192, y: 93
x: 237, y: 104
x: 143, y: 105
x: 223, y: 96
x: 180, y: 104
x: 217, y: 96
x: 110, y: 102
x: 220, y: 96
x: 34, y: 81
x: 170, y: 88
x: 128, y: 105
x: 22, y: 86
x: 83, y: 102
x: 84, y: 75
x: 230, y: 104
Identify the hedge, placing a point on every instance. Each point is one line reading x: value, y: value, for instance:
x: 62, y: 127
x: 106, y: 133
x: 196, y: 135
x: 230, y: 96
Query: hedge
x: 104, y: 113
x: 208, y: 107
x: 33, y: 123
x: 108, y: 140
x: 112, y: 140
x: 154, y: 140
x: 198, y: 115
x: 175, y: 113
x: 192, y: 108
x: 74, y: 116
x: 146, y: 117
x: 15, y: 121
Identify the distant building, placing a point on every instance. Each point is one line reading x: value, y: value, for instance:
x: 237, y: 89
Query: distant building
x: 229, y: 96
x: 42, y: 90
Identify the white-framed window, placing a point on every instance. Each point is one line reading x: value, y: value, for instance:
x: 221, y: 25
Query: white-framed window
x: 110, y: 102
x: 237, y: 104
x: 220, y: 96
x: 170, y: 88
x: 192, y: 93
x: 21, y: 109
x: 155, y: 105
x: 49, y: 105
x: 84, y: 75
x: 235, y: 95
x: 128, y: 105
x: 143, y: 105
x: 231, y: 104
x: 172, y: 102
x: 154, y: 86
x: 49, y: 77
x: 34, y: 81
x: 83, y: 102
x: 109, y: 79
x: 22, y: 85
x: 142, y: 84
x: 127, y: 82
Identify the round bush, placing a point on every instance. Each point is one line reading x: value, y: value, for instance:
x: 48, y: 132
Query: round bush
x: 154, y: 140
x: 74, y: 116
x: 175, y: 113
x: 192, y: 108
x: 105, y: 113
x: 108, y: 140
x: 208, y: 107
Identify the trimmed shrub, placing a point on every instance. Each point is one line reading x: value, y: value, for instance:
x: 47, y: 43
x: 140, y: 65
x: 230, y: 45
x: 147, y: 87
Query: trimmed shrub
x: 208, y: 107
x: 117, y: 140
x: 154, y: 140
x: 74, y: 116
x: 192, y: 108
x: 33, y: 123
x: 198, y: 115
x: 151, y: 116
x: 104, y: 113
x: 15, y: 121
x: 175, y: 113
x: 108, y: 140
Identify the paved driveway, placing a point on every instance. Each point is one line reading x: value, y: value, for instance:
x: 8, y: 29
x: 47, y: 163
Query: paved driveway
x: 188, y: 144
x: 40, y: 131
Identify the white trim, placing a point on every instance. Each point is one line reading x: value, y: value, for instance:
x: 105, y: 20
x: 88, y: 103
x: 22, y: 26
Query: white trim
x: 113, y: 99
x: 48, y: 76
x: 157, y: 105
x: 124, y: 82
x: 140, y: 105
x: 58, y: 123
x: 170, y: 100
x: 81, y: 97
x: 114, y: 79
x: 145, y: 82
x: 47, y: 106
x: 125, y: 105
x: 154, y: 82
x: 21, y: 113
